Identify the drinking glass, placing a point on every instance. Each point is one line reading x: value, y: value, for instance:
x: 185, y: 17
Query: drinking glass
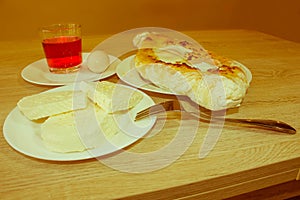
x: 62, y: 47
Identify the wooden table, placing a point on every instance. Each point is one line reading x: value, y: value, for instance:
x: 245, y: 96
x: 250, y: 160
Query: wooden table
x: 243, y: 159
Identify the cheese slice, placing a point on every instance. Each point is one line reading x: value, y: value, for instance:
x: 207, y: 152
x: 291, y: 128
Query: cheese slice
x: 59, y: 134
x: 78, y: 130
x: 112, y: 97
x: 51, y: 103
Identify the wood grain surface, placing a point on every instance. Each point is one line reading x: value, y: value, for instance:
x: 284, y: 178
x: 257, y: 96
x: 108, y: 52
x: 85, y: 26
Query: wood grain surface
x: 242, y: 161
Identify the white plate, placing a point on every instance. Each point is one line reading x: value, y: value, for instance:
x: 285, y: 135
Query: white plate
x: 24, y: 135
x: 38, y: 73
x: 127, y: 73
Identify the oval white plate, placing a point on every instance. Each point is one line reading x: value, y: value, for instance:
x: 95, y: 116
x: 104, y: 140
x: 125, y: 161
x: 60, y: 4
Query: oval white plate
x: 38, y: 73
x: 24, y: 135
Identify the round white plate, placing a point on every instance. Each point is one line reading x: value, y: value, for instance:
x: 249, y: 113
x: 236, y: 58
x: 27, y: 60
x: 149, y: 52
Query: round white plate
x: 127, y: 73
x: 38, y: 73
x: 24, y: 135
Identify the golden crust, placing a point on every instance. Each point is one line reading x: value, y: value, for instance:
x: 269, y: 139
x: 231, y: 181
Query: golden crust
x: 220, y: 87
x: 226, y: 67
x: 147, y: 56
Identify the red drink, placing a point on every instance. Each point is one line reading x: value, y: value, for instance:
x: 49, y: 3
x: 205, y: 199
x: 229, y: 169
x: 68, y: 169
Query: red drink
x: 63, y: 53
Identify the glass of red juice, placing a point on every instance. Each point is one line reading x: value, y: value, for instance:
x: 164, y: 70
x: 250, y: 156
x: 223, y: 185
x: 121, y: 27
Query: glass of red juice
x: 62, y: 47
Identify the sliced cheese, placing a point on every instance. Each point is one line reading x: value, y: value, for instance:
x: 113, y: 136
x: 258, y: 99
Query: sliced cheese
x: 51, y: 103
x: 79, y: 130
x: 59, y: 134
x: 112, y: 97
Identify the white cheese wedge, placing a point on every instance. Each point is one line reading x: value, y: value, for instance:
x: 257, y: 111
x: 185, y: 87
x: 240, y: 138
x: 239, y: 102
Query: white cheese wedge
x: 51, y: 103
x: 79, y: 130
x: 59, y: 134
x: 112, y: 97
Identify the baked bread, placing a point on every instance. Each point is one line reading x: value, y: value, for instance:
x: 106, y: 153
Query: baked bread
x: 185, y: 68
